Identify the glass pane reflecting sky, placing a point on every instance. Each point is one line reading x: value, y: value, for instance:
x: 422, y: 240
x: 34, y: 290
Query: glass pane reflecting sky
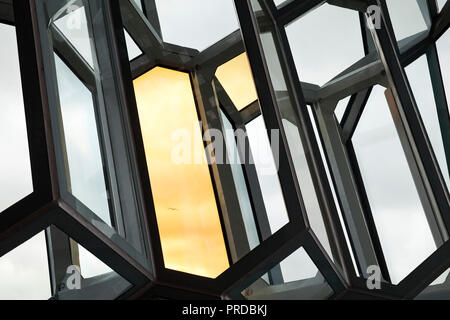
x: 24, y: 272
x: 401, y: 223
x: 407, y: 18
x: 15, y: 170
x: 239, y: 181
x: 325, y: 42
x: 133, y: 50
x: 420, y: 81
x: 86, y: 178
x: 443, y: 48
x: 74, y: 26
x: 267, y: 171
x: 196, y: 24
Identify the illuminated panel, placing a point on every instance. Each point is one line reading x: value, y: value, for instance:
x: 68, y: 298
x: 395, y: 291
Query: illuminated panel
x: 188, y: 219
x: 236, y: 78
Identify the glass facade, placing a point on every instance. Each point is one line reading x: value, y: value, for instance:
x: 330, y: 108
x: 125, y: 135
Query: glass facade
x: 257, y: 150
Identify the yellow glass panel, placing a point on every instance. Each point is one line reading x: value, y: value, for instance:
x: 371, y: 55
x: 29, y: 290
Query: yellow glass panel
x: 186, y: 210
x: 236, y: 78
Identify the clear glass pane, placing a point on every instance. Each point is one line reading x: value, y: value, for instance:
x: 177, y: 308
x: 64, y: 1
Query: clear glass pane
x: 341, y: 108
x: 85, y: 175
x: 441, y: 4
x: 409, y: 18
x: 184, y: 22
x: 267, y: 170
x: 325, y: 42
x: 443, y: 48
x: 333, y: 190
x: 186, y: 209
x: 240, y: 183
x: 236, y: 78
x: 419, y: 78
x: 133, y: 49
x: 399, y: 217
x: 282, y: 3
x: 138, y: 3
x: 15, y: 168
x: 438, y: 289
x: 24, y: 272
x: 301, y: 281
x: 73, y: 25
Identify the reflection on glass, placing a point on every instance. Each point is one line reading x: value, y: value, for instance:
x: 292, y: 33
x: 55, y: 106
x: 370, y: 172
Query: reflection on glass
x: 239, y: 181
x: 438, y: 289
x: 325, y: 42
x: 24, y: 272
x: 236, y: 78
x: 408, y: 17
x: 15, y: 168
x: 341, y: 108
x: 133, y: 49
x: 188, y: 219
x: 331, y: 183
x: 306, y: 185
x: 267, y: 171
x: 443, y: 48
x: 290, y: 124
x: 73, y: 25
x: 196, y: 24
x: 420, y: 81
x: 400, y: 220
x: 85, y: 175
x: 301, y: 281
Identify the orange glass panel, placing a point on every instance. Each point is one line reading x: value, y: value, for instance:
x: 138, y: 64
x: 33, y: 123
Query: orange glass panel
x: 186, y: 210
x: 236, y: 78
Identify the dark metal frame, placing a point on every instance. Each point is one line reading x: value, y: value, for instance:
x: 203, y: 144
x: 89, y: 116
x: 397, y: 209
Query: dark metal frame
x: 48, y: 207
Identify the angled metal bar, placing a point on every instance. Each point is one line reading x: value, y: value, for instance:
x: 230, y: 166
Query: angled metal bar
x: 6, y: 11
x: 346, y: 186
x: 220, y: 52
x: 440, y: 97
x: 353, y: 82
x: 294, y: 10
x: 353, y: 114
x: 151, y: 12
x: 441, y: 23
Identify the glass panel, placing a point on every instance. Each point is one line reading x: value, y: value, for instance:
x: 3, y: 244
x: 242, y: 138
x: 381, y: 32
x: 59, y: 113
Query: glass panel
x: 138, y: 3
x: 333, y: 190
x: 188, y: 218
x: 240, y: 183
x: 291, y: 126
x: 420, y: 81
x: 341, y: 108
x: 400, y: 220
x: 184, y: 22
x: 73, y: 25
x: 409, y: 18
x: 441, y: 4
x: 241, y: 89
x: 443, y: 48
x: 15, y: 168
x: 133, y: 50
x: 86, y: 179
x: 267, y: 170
x: 312, y: 35
x: 301, y: 281
x: 438, y: 289
x: 24, y: 272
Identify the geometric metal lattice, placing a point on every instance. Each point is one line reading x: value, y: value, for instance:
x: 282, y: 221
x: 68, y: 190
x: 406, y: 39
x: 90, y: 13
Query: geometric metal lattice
x: 259, y: 150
